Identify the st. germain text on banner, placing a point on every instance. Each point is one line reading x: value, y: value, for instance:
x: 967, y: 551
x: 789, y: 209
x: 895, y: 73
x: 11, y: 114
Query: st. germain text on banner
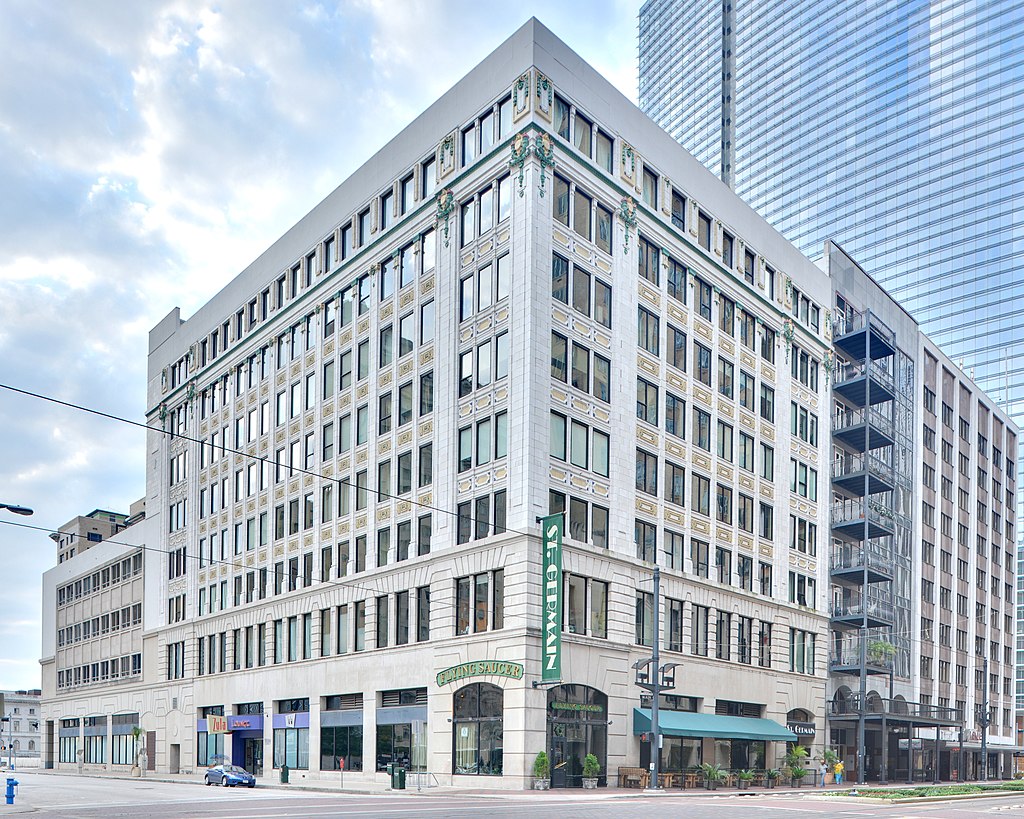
x: 551, y: 526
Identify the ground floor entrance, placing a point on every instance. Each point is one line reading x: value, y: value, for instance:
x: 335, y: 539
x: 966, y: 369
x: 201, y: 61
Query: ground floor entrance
x: 252, y: 754
x: 577, y: 717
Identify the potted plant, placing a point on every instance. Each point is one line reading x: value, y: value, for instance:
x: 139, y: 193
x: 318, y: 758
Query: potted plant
x: 744, y: 776
x: 795, y: 758
x: 713, y: 774
x: 137, y: 733
x: 771, y: 776
x: 541, y: 772
x: 591, y: 768
x: 881, y: 652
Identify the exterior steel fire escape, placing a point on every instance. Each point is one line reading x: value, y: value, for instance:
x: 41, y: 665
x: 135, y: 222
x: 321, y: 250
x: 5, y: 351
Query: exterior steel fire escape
x: 864, y: 518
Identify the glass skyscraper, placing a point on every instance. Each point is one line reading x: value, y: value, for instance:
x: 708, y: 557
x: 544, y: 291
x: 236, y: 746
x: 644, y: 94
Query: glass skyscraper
x: 895, y: 129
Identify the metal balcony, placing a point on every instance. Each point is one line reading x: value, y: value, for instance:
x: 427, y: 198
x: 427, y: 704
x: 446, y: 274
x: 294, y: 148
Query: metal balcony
x: 846, y: 660
x: 871, y: 610
x: 848, y: 562
x: 852, y: 382
x: 864, y: 429
x: 893, y: 707
x: 861, y: 475
x: 849, y: 519
x: 854, y: 332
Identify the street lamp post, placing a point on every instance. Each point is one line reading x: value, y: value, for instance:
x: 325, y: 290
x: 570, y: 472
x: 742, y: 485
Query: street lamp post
x: 655, y: 677
x: 15, y: 509
x: 984, y: 720
x: 10, y: 737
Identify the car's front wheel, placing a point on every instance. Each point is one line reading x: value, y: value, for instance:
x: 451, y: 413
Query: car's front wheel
x: 252, y: 784
x: 224, y: 781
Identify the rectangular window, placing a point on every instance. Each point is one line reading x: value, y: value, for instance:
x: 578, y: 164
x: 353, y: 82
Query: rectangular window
x: 646, y: 472
x: 648, y: 261
x: 699, y: 618
x: 675, y: 415
x: 647, y: 331
x: 725, y: 371
x: 700, y: 494
x: 702, y: 363
x: 646, y: 401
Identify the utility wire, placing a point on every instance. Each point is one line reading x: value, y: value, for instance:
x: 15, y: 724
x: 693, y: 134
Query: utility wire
x: 226, y: 450
x: 211, y: 562
x: 342, y: 483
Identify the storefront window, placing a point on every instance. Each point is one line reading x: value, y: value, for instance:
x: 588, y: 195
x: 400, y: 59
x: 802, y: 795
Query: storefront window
x: 122, y: 744
x: 478, y: 729
x: 291, y: 748
x: 341, y: 745
x: 95, y: 741
x: 394, y: 745
x: 680, y: 753
x: 737, y: 754
x: 209, y: 748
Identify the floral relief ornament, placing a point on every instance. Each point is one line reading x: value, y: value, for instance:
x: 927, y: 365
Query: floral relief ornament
x: 445, y: 206
x: 520, y: 94
x: 787, y: 333
x: 829, y: 365
x: 627, y: 212
x: 520, y: 153
x: 545, y: 150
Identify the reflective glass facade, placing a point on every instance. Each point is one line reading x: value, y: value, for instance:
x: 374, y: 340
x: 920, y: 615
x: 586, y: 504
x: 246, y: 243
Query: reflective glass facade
x: 895, y: 129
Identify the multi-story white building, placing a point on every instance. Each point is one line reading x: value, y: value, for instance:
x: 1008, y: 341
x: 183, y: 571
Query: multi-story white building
x: 531, y: 302
x: 20, y: 736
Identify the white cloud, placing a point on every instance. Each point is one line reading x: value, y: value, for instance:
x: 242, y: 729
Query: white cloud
x: 149, y: 152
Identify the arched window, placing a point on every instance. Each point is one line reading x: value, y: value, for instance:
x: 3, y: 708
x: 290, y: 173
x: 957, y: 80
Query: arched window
x: 478, y: 711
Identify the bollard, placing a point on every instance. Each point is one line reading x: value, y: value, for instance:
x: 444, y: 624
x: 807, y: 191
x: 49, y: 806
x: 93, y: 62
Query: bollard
x: 11, y: 785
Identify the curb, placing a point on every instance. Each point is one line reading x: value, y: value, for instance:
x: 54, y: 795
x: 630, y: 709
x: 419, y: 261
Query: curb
x: 919, y: 800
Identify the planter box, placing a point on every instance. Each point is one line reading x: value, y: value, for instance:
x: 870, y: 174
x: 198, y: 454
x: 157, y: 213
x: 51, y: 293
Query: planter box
x: 541, y: 784
x: 590, y: 783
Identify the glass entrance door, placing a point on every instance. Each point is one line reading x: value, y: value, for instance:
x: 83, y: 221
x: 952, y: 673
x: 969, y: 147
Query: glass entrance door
x: 558, y: 757
x: 577, y: 726
x: 254, y: 756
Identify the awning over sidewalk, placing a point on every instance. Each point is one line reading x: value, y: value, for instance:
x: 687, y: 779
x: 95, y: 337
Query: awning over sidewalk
x: 688, y: 724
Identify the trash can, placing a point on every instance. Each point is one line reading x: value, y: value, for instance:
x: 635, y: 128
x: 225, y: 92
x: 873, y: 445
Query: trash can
x: 401, y: 778
x: 391, y: 775
x: 284, y: 774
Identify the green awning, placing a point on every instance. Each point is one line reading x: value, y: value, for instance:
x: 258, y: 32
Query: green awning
x: 688, y: 724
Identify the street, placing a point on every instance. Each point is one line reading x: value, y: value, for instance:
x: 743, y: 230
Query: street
x: 73, y: 797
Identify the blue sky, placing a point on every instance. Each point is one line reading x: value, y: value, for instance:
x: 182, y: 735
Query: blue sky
x: 148, y: 152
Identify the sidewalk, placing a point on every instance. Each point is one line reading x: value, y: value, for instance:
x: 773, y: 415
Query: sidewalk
x: 379, y: 787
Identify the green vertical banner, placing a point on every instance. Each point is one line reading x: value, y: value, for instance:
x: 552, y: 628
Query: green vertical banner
x: 551, y: 526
